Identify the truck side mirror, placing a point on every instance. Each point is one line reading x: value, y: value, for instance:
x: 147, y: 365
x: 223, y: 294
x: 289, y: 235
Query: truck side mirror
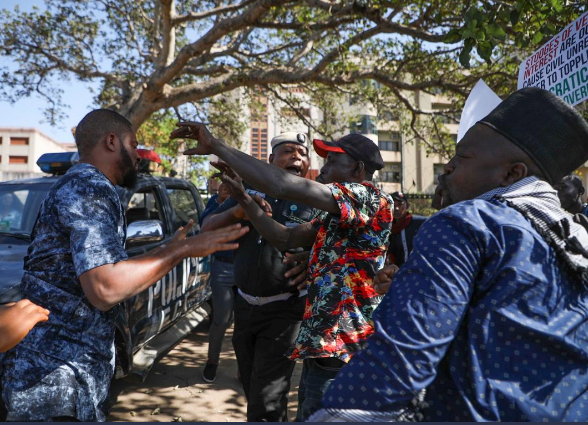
x: 144, y: 231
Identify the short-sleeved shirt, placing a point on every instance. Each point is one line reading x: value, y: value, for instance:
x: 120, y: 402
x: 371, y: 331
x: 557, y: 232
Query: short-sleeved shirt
x: 64, y: 366
x: 484, y: 317
x: 349, y: 250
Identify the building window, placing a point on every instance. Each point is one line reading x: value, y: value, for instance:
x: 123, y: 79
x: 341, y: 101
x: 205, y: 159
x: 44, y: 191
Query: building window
x: 448, y: 117
x: 438, y: 169
x: 390, y: 173
x: 387, y: 145
x: 390, y: 145
x: 259, y: 128
x: 0, y: 140
x: 18, y: 159
x: 19, y: 140
x: 291, y: 113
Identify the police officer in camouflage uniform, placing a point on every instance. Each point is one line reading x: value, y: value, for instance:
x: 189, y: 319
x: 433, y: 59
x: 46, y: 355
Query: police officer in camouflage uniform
x: 77, y: 268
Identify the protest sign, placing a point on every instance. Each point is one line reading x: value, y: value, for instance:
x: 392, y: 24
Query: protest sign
x: 561, y: 64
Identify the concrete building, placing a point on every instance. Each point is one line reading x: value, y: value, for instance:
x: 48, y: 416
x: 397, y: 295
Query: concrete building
x: 408, y: 166
x: 20, y: 148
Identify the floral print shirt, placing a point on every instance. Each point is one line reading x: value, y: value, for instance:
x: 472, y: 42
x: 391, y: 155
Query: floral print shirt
x: 349, y: 250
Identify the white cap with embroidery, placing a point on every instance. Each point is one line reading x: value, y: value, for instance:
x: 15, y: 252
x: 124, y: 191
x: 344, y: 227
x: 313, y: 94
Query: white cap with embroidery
x: 290, y: 137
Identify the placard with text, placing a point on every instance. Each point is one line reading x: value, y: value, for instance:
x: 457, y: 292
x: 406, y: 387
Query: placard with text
x: 561, y: 64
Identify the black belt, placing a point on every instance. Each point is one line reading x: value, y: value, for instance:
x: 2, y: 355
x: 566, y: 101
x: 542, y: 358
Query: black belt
x: 223, y: 259
x: 330, y: 362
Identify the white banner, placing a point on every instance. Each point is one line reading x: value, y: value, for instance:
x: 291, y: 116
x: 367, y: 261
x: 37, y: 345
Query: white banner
x: 481, y: 101
x: 561, y: 65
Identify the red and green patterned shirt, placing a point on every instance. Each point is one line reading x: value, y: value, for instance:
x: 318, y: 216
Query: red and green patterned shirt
x: 349, y: 250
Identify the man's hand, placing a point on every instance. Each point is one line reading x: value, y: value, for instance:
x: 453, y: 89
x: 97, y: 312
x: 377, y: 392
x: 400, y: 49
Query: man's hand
x: 183, y: 231
x: 17, y: 319
x: 300, y: 270
x: 207, y: 243
x: 237, y: 190
x: 231, y: 179
x: 262, y: 203
x: 196, y: 131
x: 383, y: 279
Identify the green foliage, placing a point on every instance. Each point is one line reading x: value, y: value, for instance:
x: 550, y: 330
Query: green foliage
x: 420, y: 204
x: 492, y: 26
x: 154, y: 134
x: 151, y: 57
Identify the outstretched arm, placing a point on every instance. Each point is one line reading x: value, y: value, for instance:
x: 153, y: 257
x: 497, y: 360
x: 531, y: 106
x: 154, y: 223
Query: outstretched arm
x: 280, y: 236
x: 264, y: 177
x: 110, y: 284
x: 215, y: 221
x: 232, y: 215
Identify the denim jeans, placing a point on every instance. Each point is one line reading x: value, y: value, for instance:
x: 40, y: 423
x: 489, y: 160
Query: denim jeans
x: 221, y: 281
x: 314, y: 382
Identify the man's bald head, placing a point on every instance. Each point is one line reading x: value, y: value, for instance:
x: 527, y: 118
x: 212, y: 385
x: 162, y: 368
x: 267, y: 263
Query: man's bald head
x: 97, y: 124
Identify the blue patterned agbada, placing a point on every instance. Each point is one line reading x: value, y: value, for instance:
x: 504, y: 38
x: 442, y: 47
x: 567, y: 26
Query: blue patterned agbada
x: 484, y: 317
x: 64, y: 366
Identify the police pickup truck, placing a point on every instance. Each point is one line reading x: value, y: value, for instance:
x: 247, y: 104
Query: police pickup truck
x: 154, y: 321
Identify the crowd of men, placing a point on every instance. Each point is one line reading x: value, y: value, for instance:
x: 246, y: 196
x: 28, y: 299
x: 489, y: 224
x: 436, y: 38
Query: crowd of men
x: 477, y: 313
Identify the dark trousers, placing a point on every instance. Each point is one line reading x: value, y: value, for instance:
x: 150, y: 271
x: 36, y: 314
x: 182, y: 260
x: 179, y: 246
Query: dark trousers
x: 221, y: 282
x: 316, y: 377
x: 261, y: 337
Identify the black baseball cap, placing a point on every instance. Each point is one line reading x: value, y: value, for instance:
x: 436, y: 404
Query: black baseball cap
x: 356, y: 146
x: 399, y: 196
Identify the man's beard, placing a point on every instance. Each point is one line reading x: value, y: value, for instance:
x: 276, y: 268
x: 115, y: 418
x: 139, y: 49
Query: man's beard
x: 130, y: 173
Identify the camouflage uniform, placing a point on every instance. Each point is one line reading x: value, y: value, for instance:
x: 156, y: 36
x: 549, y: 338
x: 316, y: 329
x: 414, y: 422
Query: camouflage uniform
x: 64, y: 366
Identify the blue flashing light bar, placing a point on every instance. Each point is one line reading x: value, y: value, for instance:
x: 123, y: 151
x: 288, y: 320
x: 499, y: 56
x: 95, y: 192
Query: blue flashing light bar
x: 57, y: 163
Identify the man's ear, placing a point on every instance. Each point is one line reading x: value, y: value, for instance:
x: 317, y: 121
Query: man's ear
x: 581, y: 191
x: 359, y: 168
x: 270, y: 159
x: 516, y: 171
x: 111, y: 142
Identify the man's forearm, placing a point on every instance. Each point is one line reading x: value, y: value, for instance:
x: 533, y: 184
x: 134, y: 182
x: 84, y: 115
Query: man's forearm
x: 276, y: 182
x: 110, y: 284
x: 216, y: 221
x: 275, y: 233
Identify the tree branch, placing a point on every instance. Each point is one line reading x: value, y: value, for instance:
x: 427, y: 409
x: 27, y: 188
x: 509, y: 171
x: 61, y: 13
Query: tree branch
x: 193, y: 16
x: 168, y: 44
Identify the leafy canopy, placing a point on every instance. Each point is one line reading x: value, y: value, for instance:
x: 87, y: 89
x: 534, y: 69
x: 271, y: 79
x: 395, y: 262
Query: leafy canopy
x: 149, y: 56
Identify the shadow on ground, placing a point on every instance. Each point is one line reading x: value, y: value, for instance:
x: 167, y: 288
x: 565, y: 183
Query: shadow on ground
x: 174, y: 388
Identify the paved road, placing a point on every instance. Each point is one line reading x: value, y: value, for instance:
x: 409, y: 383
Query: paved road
x: 175, y: 387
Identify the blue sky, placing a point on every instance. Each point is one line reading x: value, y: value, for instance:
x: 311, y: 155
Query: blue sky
x: 28, y: 112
